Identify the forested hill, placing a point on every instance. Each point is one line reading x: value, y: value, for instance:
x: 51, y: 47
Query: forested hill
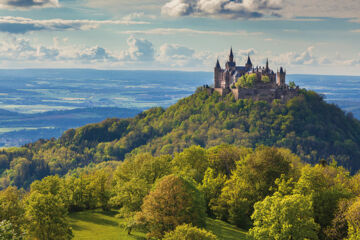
x: 310, y: 127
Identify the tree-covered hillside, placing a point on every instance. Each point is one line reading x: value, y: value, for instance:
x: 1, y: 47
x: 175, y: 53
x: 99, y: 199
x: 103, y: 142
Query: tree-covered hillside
x: 307, y: 125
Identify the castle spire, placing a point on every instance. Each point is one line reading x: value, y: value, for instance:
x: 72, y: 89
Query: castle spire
x: 217, y: 64
x: 231, y: 56
x: 248, y: 64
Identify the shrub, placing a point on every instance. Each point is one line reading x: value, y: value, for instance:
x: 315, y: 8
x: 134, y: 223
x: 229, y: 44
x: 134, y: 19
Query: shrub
x: 188, y: 232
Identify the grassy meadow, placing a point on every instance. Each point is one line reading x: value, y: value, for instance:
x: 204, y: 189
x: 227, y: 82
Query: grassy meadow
x: 97, y: 224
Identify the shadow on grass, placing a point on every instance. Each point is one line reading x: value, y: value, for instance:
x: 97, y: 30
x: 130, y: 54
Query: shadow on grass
x: 225, y: 231
x: 96, y: 219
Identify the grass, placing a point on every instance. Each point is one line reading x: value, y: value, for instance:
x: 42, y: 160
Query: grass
x: 96, y: 224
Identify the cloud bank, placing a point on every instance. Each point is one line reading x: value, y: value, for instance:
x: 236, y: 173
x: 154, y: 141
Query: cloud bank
x: 26, y: 4
x: 20, y: 25
x: 222, y: 8
x: 141, y: 53
x: 171, y: 31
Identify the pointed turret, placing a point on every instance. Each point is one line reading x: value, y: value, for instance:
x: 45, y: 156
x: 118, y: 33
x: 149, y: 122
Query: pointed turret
x: 249, y: 60
x: 248, y: 64
x: 267, y: 64
x: 231, y: 56
x: 217, y: 64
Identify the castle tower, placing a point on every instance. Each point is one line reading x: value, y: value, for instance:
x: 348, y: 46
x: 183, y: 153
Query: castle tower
x: 230, y: 65
x: 248, y: 64
x: 217, y: 75
x: 280, y: 77
x: 226, y: 81
x: 267, y: 66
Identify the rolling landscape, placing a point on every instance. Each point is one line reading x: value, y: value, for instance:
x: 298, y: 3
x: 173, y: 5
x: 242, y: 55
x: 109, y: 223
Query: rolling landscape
x: 179, y: 120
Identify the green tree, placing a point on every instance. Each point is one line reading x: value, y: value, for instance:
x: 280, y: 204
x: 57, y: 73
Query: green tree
x: 252, y: 180
x: 284, y: 217
x: 326, y: 185
x: 188, y: 232
x: 102, y: 186
x: 292, y: 85
x: 8, y: 231
x: 353, y: 218
x: 47, y: 217
x: 12, y: 210
x: 192, y: 162
x: 223, y: 158
x: 174, y: 201
x: 339, y: 224
x: 211, y: 186
x: 134, y: 179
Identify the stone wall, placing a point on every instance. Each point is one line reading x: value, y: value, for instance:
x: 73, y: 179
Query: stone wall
x: 262, y: 91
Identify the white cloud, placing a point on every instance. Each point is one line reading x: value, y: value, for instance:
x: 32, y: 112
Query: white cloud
x: 137, y: 16
x: 255, y: 9
x: 95, y: 54
x: 141, y: 53
x: 139, y: 50
x: 321, y: 8
x: 305, y: 57
x: 23, y: 25
x: 222, y: 8
x: 175, y: 55
x: 245, y: 52
x: 117, y: 6
x: 27, y: 4
x: 170, y: 31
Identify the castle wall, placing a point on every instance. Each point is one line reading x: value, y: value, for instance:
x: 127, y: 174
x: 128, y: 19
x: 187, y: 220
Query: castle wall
x: 222, y: 91
x: 266, y: 92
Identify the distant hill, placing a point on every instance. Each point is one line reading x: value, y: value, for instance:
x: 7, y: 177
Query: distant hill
x: 306, y: 124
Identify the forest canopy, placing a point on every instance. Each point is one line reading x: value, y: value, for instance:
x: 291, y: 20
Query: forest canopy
x: 307, y: 125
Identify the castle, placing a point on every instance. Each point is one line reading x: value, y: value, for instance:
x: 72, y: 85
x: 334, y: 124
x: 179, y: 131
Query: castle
x: 258, y: 83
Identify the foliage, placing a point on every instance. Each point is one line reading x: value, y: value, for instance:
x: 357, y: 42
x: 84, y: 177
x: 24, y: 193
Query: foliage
x: 158, y: 193
x: 8, y: 231
x: 47, y: 217
x: 292, y: 85
x: 326, y: 185
x: 284, y: 217
x: 246, y: 80
x: 306, y: 125
x: 252, y: 181
x: 211, y: 186
x: 11, y: 213
x: 173, y: 201
x: 192, y: 163
x: 353, y: 219
x: 265, y: 79
x: 134, y: 178
x: 339, y: 226
x: 188, y: 232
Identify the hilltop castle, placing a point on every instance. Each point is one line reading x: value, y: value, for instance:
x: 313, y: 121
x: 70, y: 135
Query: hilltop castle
x: 259, y: 83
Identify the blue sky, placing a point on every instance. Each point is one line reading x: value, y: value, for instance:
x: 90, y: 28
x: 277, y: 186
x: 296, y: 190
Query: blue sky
x: 308, y: 36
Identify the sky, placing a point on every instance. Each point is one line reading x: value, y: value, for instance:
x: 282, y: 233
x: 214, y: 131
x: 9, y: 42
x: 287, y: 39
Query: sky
x: 303, y: 36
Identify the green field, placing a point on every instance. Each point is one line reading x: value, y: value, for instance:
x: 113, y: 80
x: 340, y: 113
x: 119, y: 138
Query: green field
x: 96, y: 224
